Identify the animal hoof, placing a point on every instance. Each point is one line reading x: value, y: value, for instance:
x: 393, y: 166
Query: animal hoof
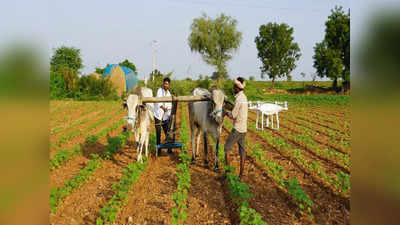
x: 193, y: 161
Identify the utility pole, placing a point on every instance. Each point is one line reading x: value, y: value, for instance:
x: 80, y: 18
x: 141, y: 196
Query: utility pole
x: 154, y: 50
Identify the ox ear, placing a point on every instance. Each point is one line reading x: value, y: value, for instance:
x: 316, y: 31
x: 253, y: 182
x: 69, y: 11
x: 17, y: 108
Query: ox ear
x: 124, y: 104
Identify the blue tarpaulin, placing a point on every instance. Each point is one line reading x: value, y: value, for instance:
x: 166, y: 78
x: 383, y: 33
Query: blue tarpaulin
x: 130, y: 76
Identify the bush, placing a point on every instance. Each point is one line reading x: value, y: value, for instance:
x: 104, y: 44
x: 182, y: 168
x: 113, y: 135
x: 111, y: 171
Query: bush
x: 87, y: 88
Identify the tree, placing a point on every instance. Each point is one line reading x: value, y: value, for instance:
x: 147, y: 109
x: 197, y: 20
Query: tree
x: 68, y: 62
x: 215, y: 76
x: 128, y: 64
x: 216, y: 40
x: 277, y: 50
x: 66, y: 57
x: 332, y: 55
x: 156, y: 79
x: 101, y: 70
x: 251, y: 78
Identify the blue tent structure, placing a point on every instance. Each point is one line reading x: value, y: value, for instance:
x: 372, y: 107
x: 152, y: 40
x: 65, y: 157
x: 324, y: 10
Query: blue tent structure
x: 131, y: 79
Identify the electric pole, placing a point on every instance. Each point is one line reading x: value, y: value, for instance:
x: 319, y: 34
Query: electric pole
x: 154, y: 50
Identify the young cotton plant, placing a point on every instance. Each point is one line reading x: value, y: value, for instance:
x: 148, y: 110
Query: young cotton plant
x: 130, y: 176
x: 57, y: 194
x: 240, y: 195
x: 183, y: 174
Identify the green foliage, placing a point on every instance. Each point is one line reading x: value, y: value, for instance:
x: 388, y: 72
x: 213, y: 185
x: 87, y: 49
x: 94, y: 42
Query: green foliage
x: 156, y: 78
x: 115, y: 143
x: 59, y: 193
x: 101, y: 70
x: 277, y: 50
x: 65, y: 65
x: 240, y: 194
x: 180, y: 196
x: 91, y: 88
x: 60, y: 158
x: 66, y: 58
x: 128, y: 64
x: 298, y: 195
x: 130, y: 176
x: 58, y: 89
x: 216, y: 40
x: 332, y: 55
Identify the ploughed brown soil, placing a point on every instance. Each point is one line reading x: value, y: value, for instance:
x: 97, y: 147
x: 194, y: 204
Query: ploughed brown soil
x: 209, y: 187
x: 286, y: 133
x: 150, y: 200
x: 328, y: 208
x: 81, y: 138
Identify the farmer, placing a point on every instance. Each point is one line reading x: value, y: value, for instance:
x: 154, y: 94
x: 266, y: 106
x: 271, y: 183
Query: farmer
x: 162, y: 112
x: 239, y: 116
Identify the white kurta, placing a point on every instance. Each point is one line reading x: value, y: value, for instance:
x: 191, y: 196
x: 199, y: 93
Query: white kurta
x: 158, y: 111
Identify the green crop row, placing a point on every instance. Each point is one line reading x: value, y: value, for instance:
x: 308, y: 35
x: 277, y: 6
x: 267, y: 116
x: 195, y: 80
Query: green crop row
x: 180, y: 196
x: 332, y: 140
x: 57, y: 194
x: 239, y: 193
x: 277, y: 173
x: 75, y: 133
x: 62, y: 156
x: 333, y: 134
x: 341, y: 182
x: 130, y: 176
x: 82, y: 121
x: 302, y: 137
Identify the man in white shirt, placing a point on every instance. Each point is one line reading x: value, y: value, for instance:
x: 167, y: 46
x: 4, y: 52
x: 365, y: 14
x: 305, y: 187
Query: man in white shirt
x: 162, y: 111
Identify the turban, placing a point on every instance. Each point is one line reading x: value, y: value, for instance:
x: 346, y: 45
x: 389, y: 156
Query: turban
x: 238, y: 84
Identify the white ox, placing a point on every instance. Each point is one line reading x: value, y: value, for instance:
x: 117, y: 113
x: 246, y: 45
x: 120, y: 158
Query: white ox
x: 140, y: 117
x: 206, y: 118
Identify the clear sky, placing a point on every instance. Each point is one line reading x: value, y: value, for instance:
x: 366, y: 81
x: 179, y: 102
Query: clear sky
x: 110, y: 31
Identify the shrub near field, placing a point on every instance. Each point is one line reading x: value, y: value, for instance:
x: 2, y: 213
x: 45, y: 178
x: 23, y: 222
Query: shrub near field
x: 257, y: 90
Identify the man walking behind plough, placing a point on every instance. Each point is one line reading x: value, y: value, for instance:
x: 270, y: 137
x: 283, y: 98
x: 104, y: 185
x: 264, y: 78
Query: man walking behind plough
x: 239, y: 117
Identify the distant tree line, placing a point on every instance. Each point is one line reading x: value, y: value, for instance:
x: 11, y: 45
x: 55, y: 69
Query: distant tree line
x: 65, y: 82
x: 217, y: 39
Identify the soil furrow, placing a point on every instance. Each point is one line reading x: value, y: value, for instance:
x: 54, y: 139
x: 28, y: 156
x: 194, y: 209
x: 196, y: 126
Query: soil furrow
x: 328, y: 208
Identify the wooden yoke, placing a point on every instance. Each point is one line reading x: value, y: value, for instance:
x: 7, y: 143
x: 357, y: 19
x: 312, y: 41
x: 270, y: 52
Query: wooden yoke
x: 175, y: 98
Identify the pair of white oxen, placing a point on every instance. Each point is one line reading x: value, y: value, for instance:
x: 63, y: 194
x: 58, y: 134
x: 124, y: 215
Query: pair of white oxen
x: 140, y: 117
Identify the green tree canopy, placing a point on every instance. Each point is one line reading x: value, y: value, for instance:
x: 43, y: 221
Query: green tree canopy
x: 66, y: 58
x: 128, y: 64
x: 67, y: 62
x: 216, y: 40
x: 277, y: 50
x: 332, y: 55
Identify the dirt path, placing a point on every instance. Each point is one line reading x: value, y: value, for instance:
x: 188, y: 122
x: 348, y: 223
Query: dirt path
x: 151, y: 201
x: 208, y: 201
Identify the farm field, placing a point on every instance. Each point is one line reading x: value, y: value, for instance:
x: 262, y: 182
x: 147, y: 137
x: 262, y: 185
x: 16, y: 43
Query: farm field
x: 297, y: 175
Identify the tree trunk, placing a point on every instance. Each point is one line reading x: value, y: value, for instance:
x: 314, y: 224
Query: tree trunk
x: 273, y: 83
x: 334, y: 84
